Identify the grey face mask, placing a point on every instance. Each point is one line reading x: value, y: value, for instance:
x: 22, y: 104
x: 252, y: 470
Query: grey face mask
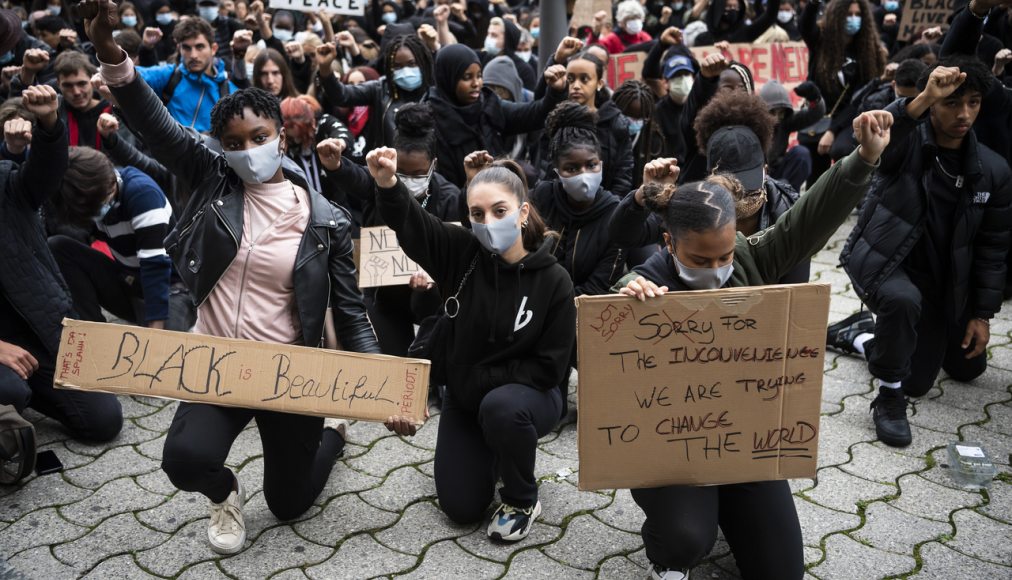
x: 583, y: 187
x: 498, y: 236
x: 703, y: 278
x: 258, y: 164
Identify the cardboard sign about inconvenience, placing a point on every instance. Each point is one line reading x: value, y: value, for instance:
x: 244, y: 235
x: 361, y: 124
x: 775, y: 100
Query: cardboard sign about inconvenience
x: 130, y: 360
x: 919, y: 15
x: 349, y: 7
x: 785, y: 62
x: 710, y: 387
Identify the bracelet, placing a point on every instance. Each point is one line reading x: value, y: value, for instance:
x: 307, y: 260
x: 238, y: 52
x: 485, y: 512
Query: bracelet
x: 985, y: 321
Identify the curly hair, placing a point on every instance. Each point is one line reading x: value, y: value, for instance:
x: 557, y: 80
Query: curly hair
x: 416, y: 129
x: 833, y: 45
x: 188, y: 28
x: 978, y: 77
x: 262, y: 103
x: 571, y: 126
x: 735, y: 108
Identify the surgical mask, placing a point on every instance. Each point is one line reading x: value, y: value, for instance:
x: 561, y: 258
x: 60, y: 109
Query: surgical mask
x: 535, y: 33
x: 408, y: 78
x: 785, y: 16
x: 258, y: 164
x: 55, y: 10
x: 891, y: 5
x: 283, y: 34
x: 525, y: 55
x: 165, y: 18
x: 418, y: 186
x: 583, y: 187
x: 678, y: 6
x: 703, y: 278
x: 498, y: 236
x: 318, y: 29
x: 249, y: 70
x: 853, y: 25
x: 635, y: 126
x: 208, y: 13
x: 389, y: 17
x: 634, y: 26
x: 129, y: 21
x: 679, y: 88
x: 491, y: 46
x: 7, y: 57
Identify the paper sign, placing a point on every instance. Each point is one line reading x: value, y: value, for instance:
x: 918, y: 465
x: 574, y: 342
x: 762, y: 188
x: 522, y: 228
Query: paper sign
x: 919, y: 15
x: 130, y: 360
x: 381, y: 261
x: 624, y: 67
x: 785, y: 62
x: 711, y: 387
x: 584, y: 11
x: 349, y: 7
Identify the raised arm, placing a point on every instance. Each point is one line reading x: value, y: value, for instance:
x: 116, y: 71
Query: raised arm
x: 528, y: 117
x: 337, y: 92
x: 42, y: 173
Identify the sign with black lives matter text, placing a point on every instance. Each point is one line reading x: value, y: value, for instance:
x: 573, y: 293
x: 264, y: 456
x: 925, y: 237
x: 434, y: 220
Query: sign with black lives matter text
x: 709, y: 387
x: 130, y: 360
x: 348, y: 7
x: 919, y: 15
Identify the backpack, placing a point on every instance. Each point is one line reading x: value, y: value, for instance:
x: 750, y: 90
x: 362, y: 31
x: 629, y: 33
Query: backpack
x: 177, y: 77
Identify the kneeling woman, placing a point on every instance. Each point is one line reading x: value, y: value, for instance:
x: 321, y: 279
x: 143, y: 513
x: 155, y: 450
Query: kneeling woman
x: 263, y: 255
x: 705, y: 252
x: 507, y: 347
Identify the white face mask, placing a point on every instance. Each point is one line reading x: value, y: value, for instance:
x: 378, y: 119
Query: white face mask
x: 785, y: 16
x: 703, y: 278
x: 498, y: 236
x: 418, y: 186
x: 634, y: 26
x: 491, y: 46
x: 283, y: 34
x: 258, y: 164
x: 679, y: 88
x: 524, y: 55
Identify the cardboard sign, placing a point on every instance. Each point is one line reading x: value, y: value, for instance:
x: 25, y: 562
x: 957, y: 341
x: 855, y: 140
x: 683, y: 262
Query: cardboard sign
x: 624, y: 67
x: 785, y: 62
x: 710, y: 387
x: 919, y: 15
x: 349, y: 7
x: 130, y: 360
x: 584, y: 11
x: 382, y: 261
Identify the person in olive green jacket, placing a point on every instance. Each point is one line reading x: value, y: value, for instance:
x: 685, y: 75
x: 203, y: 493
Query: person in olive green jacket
x: 758, y: 519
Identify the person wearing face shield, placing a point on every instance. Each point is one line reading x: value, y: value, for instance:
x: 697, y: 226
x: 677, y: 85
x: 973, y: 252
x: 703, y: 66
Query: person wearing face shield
x: 394, y: 310
x: 629, y: 16
x: 264, y: 256
x: 508, y: 339
x: 704, y: 251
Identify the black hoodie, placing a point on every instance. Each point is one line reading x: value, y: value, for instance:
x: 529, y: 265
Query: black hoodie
x: 516, y: 323
x: 584, y: 248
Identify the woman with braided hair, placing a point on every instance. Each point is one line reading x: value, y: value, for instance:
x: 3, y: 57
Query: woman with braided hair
x: 637, y: 102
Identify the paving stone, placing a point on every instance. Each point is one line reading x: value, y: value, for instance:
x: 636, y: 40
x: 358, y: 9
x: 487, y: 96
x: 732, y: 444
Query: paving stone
x: 620, y: 568
x: 587, y: 541
x: 623, y: 513
x: 116, y: 535
x: 204, y: 571
x: 893, y: 530
x: 68, y: 458
x: 361, y: 557
x: 38, y: 493
x: 43, y: 527
x: 246, y: 446
x: 260, y: 518
x: 926, y: 499
x: 835, y: 389
x: 387, y: 455
x: 401, y: 488
x: 426, y: 436
x: 561, y: 500
x: 186, y: 546
x: 942, y: 563
x: 941, y: 474
x: 1000, y: 505
x: 343, y: 517
x: 179, y: 510
x: 969, y: 397
x: 997, y: 379
x: 121, y: 567
x: 997, y: 446
x: 841, y: 491
x: 46, y: 430
x: 724, y: 567
x: 836, y: 435
x: 548, y: 465
x: 135, y: 408
x: 293, y: 574
x: 1000, y: 358
x: 924, y: 440
x: 880, y: 464
x: 156, y: 482
x: 153, y: 448
x: 942, y: 417
x: 981, y: 537
x: 351, y: 451
x: 564, y: 445
x: 428, y: 468
x: 116, y: 497
x: 154, y: 401
x: 812, y: 554
x: 366, y: 433
x: 478, y: 543
x: 276, y: 549
x: 818, y: 521
x: 846, y: 558
x: 252, y: 475
x: 129, y: 435
x: 448, y: 560
x: 1001, y: 419
x: 115, y: 463
x: 40, y: 563
x: 533, y: 564
x: 421, y: 524
x: 344, y: 480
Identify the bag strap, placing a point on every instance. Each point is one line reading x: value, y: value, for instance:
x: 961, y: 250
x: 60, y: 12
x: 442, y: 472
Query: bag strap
x: 840, y: 100
x: 463, y: 281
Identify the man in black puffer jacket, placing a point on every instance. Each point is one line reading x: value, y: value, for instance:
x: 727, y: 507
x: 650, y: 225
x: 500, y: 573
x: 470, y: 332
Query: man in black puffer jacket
x: 34, y: 299
x: 928, y: 252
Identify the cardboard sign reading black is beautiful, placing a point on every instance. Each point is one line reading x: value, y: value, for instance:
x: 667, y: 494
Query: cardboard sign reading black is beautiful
x: 129, y: 360
x: 710, y: 387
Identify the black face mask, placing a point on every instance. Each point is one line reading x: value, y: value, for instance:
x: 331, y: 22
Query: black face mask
x: 730, y: 17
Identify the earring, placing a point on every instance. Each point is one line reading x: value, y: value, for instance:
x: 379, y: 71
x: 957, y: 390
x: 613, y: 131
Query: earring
x: 524, y: 225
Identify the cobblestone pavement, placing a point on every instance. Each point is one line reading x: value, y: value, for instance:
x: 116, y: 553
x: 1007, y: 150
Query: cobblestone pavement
x: 873, y: 511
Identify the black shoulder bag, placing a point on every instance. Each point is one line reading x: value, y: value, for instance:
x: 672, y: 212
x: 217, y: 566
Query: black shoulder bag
x: 434, y: 333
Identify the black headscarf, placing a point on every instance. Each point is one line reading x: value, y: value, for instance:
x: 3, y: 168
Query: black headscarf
x: 511, y: 37
x: 451, y: 63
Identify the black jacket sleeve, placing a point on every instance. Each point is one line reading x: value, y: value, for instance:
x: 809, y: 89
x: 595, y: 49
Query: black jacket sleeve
x: 352, y: 180
x: 344, y: 95
x: 528, y: 117
x: 758, y: 27
x: 122, y: 153
x: 807, y: 116
x: 990, y: 248
x: 623, y: 162
x: 350, y: 317
x: 42, y: 173
x: 900, y: 136
x: 633, y: 226
x: 609, y: 269
x: 652, y: 65
x: 963, y: 34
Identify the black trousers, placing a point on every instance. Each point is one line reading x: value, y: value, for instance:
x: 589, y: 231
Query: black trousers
x: 394, y: 311
x: 758, y: 520
x: 472, y: 452
x: 914, y: 338
x: 298, y: 454
x: 794, y: 166
x: 97, y: 282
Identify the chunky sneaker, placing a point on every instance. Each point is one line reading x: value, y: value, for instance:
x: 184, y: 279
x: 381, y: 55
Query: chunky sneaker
x: 17, y: 446
x: 889, y: 411
x: 510, y: 524
x: 227, y: 530
x: 658, y: 573
x: 841, y: 335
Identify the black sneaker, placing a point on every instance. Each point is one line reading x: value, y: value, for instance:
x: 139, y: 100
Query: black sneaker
x: 840, y: 336
x: 889, y: 411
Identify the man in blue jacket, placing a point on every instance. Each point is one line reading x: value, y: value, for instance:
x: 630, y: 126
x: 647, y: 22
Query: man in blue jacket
x: 190, y: 89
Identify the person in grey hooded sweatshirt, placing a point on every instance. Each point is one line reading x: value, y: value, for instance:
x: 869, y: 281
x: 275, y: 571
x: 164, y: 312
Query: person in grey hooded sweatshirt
x: 501, y: 76
x: 795, y: 164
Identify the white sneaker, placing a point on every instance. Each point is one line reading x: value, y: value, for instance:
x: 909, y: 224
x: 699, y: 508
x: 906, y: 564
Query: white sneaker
x: 658, y: 573
x: 339, y: 425
x: 227, y: 530
x: 510, y: 524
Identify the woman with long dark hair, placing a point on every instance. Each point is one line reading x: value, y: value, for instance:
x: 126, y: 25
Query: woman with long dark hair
x: 272, y: 74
